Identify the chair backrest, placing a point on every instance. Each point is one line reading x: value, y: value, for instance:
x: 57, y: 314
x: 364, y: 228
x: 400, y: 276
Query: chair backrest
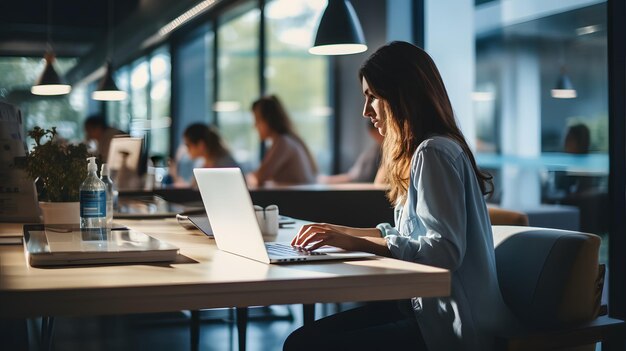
x: 548, y: 276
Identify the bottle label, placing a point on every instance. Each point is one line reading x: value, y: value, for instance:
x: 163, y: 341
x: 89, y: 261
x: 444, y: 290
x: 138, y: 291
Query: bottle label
x: 92, y: 204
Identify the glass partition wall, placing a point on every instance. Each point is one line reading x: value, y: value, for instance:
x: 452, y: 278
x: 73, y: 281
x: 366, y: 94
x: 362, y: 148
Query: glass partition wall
x: 238, y: 83
x: 528, y: 81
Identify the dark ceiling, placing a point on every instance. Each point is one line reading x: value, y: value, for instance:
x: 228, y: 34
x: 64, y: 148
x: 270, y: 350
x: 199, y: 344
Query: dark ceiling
x: 75, y: 25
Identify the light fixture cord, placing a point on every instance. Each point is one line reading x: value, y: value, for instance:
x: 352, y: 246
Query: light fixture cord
x: 562, y: 58
x: 49, y: 26
x: 110, y: 31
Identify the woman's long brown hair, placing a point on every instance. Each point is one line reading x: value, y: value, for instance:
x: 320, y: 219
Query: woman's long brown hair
x: 271, y: 110
x: 416, y: 105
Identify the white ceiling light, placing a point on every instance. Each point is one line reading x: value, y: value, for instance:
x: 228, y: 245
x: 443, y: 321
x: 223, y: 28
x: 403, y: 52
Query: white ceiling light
x: 186, y: 16
x: 483, y: 96
x: 588, y: 29
x: 226, y: 106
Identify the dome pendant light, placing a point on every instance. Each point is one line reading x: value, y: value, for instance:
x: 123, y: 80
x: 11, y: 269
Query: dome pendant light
x: 49, y: 82
x: 564, y: 88
x: 339, y: 31
x: 107, y: 90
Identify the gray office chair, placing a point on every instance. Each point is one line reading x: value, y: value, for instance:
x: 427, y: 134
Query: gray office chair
x: 551, y: 281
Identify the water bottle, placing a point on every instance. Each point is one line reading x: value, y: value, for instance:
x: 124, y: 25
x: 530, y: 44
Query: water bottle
x: 93, y: 209
x: 106, y: 179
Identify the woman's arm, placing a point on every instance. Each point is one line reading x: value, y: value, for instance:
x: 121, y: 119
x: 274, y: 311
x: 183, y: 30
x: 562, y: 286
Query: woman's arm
x: 441, y: 213
x: 313, y: 236
x: 359, y: 232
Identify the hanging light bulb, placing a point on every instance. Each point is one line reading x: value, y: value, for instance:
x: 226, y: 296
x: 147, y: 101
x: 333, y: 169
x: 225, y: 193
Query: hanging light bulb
x: 339, y: 31
x: 564, y: 88
x: 107, y: 90
x: 49, y: 82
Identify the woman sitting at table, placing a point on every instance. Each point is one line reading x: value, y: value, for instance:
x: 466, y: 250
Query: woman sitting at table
x: 288, y: 160
x: 440, y: 219
x: 204, y: 142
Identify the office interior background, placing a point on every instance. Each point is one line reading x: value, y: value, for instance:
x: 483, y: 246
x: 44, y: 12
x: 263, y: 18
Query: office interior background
x: 500, y: 60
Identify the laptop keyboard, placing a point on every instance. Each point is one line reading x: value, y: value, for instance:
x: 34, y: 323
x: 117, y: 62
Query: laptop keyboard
x: 286, y: 250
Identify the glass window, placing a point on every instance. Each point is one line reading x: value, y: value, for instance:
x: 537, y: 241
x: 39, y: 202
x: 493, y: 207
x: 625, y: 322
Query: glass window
x: 160, y: 120
x: 300, y: 79
x: 209, y: 44
x: 146, y: 111
x: 118, y: 112
x: 194, y: 80
x: 238, y: 82
x: 66, y: 112
x: 139, y: 80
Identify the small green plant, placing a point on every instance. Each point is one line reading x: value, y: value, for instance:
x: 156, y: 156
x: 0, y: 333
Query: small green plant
x: 57, y: 166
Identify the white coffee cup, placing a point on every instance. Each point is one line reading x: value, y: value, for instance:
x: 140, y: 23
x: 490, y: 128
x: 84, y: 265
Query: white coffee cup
x: 271, y: 220
x: 267, y: 219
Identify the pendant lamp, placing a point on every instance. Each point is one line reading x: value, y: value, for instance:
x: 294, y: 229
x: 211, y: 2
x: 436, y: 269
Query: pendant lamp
x: 564, y: 88
x: 339, y: 31
x: 49, y: 82
x: 107, y: 89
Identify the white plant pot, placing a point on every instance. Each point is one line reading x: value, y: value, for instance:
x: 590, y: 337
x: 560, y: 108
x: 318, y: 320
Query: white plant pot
x: 60, y: 212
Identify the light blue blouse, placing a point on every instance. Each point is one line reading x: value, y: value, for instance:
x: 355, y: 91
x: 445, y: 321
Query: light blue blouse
x: 445, y: 223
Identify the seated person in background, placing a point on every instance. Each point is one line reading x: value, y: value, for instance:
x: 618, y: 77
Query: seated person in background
x: 288, y: 160
x: 181, y: 167
x: 366, y: 166
x: 204, y: 142
x: 577, y: 139
x: 577, y: 142
x: 96, y: 129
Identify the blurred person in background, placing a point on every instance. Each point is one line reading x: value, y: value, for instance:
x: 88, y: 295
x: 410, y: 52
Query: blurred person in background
x: 367, y: 165
x: 97, y: 130
x: 288, y: 160
x: 203, y: 142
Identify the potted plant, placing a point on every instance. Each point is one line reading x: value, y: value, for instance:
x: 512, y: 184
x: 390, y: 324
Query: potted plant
x: 58, y: 168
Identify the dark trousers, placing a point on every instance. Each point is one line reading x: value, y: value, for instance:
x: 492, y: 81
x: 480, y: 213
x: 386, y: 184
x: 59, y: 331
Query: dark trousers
x: 388, y: 325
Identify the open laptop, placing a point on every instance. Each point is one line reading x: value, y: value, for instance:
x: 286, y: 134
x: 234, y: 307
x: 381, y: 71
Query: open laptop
x: 235, y: 227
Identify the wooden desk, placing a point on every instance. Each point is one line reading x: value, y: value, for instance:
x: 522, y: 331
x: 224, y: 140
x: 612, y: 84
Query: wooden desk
x: 202, y: 277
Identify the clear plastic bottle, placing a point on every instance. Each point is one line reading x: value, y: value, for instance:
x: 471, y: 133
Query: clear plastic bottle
x: 106, y: 179
x: 93, y: 209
